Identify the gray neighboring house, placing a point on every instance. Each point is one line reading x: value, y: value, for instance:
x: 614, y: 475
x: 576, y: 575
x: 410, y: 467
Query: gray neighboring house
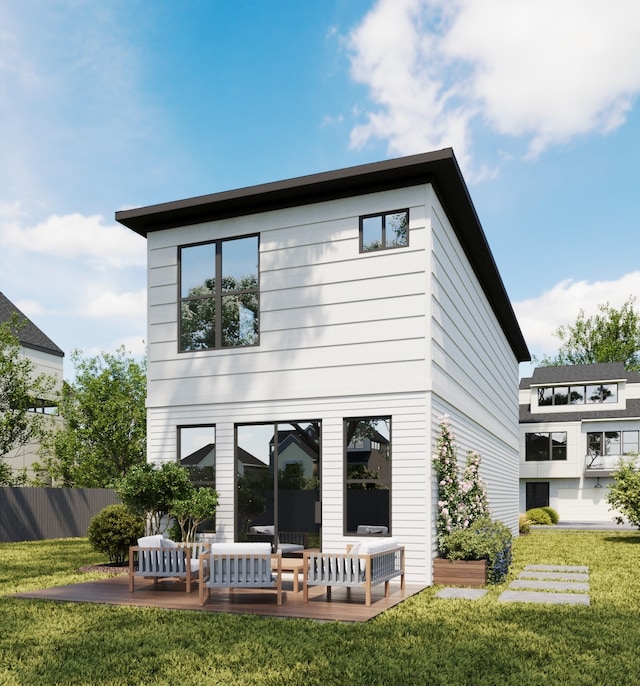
x: 47, y: 358
x: 576, y: 422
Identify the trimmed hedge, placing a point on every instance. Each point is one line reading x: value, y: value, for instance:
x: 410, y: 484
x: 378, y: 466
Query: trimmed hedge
x: 537, y: 515
x: 553, y: 514
x: 113, y: 530
x: 483, y: 540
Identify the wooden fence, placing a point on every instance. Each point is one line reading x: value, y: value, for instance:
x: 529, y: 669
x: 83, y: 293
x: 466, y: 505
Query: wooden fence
x: 34, y: 514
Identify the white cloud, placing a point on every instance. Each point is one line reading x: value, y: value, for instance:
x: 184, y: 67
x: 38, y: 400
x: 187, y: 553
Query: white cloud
x: 540, y: 317
x: 109, y: 304
x: 73, y: 236
x: 546, y: 70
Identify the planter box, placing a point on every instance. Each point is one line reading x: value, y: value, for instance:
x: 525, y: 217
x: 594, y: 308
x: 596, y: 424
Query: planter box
x: 459, y: 572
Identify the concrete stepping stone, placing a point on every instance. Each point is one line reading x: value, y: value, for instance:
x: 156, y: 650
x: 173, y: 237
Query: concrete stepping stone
x: 465, y: 593
x: 557, y: 568
x: 553, y: 576
x: 540, y: 597
x: 549, y: 585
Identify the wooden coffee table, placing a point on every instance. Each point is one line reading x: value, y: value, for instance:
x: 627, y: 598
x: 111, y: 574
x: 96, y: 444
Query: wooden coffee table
x: 294, y: 565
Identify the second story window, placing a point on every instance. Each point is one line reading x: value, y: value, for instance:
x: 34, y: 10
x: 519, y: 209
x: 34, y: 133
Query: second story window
x: 219, y: 294
x: 382, y: 231
x: 578, y: 395
x: 543, y: 446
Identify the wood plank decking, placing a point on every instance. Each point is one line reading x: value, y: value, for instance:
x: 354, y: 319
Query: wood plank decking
x: 342, y: 606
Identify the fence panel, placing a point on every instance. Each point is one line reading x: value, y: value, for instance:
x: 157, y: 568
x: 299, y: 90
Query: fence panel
x: 34, y: 514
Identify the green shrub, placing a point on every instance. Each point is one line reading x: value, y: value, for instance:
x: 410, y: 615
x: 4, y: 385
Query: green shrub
x: 553, y: 514
x: 483, y: 540
x: 524, y: 524
x: 113, y: 530
x: 538, y: 516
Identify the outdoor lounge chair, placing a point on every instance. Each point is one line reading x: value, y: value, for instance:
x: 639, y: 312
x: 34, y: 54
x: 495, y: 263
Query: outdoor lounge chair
x: 156, y: 557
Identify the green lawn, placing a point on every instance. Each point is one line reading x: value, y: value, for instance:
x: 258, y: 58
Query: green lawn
x: 423, y: 641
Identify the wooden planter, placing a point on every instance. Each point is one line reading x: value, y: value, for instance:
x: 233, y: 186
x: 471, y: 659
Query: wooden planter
x: 459, y: 572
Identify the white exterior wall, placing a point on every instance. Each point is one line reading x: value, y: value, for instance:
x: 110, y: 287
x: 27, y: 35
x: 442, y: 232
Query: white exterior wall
x: 474, y: 373
x: 342, y: 334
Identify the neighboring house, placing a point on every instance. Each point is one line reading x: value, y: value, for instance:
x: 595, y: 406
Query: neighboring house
x: 47, y: 358
x: 363, y: 299
x: 576, y: 422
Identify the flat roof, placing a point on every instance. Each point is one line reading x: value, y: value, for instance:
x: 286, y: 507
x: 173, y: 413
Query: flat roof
x: 439, y: 168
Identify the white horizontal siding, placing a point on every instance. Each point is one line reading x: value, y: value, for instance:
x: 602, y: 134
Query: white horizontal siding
x: 410, y: 462
x: 474, y: 373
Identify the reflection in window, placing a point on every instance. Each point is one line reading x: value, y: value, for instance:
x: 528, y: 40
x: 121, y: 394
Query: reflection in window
x: 601, y: 443
x: 197, y: 454
x: 578, y: 395
x: 212, y: 317
x: 367, y: 473
x: 381, y: 231
x: 543, y: 446
x: 278, y: 483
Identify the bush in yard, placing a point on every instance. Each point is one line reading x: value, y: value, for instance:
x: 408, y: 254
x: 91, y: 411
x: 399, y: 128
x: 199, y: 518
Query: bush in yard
x: 483, y: 540
x: 553, y: 514
x: 624, y: 494
x: 524, y: 524
x: 538, y: 516
x: 113, y: 530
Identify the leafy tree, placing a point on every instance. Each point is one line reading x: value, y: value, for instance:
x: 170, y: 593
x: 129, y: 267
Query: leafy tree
x: 104, y: 432
x: 20, y: 390
x: 250, y: 502
x: 190, y: 512
x: 624, y: 494
x: 611, y: 335
x: 151, y: 491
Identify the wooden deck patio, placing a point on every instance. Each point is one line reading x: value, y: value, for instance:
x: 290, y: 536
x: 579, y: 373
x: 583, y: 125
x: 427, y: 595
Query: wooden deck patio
x: 342, y: 606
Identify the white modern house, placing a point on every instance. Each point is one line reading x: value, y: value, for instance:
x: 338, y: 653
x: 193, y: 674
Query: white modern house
x: 576, y: 422
x: 348, y: 308
x: 47, y: 358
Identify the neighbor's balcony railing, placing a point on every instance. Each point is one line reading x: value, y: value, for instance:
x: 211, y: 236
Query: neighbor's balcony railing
x: 601, y: 465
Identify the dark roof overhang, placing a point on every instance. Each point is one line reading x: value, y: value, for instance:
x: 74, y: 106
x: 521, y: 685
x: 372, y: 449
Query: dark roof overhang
x: 439, y: 168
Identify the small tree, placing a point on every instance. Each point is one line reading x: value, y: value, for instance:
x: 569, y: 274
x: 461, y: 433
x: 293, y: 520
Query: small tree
x: 150, y: 492
x: 104, y: 431
x: 190, y: 512
x: 624, y: 494
x: 20, y: 389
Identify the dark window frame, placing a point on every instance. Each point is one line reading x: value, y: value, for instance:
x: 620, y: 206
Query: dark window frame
x: 345, y: 476
x: 551, y: 448
x: 550, y: 396
x: 219, y: 294
x: 384, y: 243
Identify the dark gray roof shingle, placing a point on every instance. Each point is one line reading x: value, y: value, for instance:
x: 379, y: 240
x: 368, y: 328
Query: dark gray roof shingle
x: 579, y: 373
x: 632, y: 410
x: 30, y: 335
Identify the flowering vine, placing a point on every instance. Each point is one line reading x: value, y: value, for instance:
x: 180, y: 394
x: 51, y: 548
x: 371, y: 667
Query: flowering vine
x: 461, y: 500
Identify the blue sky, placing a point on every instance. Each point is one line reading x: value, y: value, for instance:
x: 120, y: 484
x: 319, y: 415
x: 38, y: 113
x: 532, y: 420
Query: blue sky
x: 122, y: 103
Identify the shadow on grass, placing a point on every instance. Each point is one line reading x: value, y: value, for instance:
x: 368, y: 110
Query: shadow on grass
x: 627, y: 539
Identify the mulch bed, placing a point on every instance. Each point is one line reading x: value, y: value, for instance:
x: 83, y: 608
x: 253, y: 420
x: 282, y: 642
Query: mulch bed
x: 110, y: 568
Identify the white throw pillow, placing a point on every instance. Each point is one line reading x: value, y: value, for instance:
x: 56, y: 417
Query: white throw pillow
x: 150, y: 541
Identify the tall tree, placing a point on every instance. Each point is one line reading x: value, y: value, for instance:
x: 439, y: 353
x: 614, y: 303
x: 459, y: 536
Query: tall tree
x: 611, y: 335
x: 104, y: 432
x: 20, y: 391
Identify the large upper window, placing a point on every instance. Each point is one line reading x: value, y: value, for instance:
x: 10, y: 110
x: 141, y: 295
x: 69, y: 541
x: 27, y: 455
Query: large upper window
x: 543, y: 446
x: 219, y: 294
x: 381, y: 231
x: 578, y: 395
x: 367, y: 475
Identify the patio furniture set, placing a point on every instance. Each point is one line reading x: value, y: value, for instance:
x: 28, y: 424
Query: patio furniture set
x: 254, y: 565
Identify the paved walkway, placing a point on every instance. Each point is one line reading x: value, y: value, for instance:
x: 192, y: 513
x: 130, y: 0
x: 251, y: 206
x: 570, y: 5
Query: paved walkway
x: 556, y: 584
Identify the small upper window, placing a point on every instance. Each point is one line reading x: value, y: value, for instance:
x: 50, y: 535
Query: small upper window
x: 382, y: 231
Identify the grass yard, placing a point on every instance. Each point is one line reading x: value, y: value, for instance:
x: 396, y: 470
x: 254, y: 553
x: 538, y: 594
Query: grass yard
x: 423, y: 641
